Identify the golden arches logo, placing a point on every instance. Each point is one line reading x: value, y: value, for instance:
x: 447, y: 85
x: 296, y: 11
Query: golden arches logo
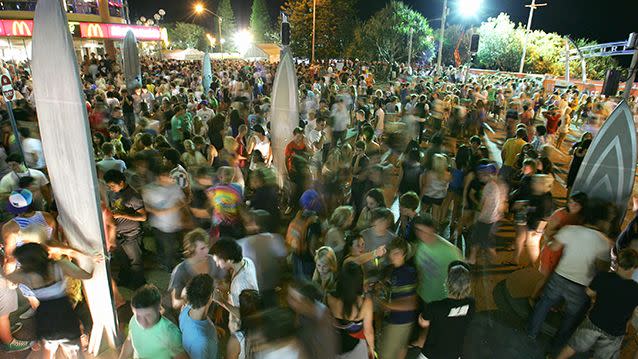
x: 20, y: 28
x: 94, y: 30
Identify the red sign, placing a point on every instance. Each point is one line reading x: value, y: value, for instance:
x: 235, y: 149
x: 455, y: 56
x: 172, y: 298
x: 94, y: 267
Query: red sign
x: 88, y: 30
x: 92, y: 30
x: 17, y: 28
x: 7, y: 88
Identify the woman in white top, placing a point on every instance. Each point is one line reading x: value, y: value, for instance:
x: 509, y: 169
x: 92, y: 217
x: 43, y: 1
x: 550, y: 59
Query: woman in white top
x: 434, y: 187
x: 259, y: 148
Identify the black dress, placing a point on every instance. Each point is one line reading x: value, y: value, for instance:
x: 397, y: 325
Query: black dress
x: 55, y: 318
x: 574, y: 166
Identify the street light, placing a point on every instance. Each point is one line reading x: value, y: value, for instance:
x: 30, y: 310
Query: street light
x: 468, y: 8
x: 199, y: 9
x: 243, y: 40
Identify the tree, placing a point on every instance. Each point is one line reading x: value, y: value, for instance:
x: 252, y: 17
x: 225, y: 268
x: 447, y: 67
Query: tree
x: 184, y: 35
x: 335, y: 20
x: 385, y: 35
x: 229, y: 24
x: 500, y: 47
x: 260, y: 22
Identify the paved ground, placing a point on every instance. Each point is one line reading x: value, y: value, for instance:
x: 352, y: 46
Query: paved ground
x: 498, y: 329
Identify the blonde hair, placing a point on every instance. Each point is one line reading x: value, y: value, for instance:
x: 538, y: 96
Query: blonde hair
x: 191, y: 239
x: 544, y: 180
x: 439, y: 164
x: 326, y: 255
x: 230, y: 144
x: 341, y: 215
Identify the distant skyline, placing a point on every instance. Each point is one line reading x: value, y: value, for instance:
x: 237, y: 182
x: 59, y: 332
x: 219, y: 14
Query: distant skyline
x: 604, y: 21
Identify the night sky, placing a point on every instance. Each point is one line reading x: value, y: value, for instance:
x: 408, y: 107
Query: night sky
x: 602, y: 20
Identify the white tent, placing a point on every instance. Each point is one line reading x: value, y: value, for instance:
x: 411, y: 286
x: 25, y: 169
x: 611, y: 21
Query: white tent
x: 184, y: 55
x: 255, y: 53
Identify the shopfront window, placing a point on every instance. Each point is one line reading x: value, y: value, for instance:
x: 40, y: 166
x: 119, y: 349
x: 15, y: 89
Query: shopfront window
x: 19, y: 5
x: 116, y: 9
x: 89, y: 7
x: 72, y: 6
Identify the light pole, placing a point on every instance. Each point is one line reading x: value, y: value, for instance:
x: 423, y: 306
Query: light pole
x: 632, y: 43
x: 442, y: 34
x: 467, y: 8
x: 531, y: 7
x: 314, y: 9
x: 199, y: 8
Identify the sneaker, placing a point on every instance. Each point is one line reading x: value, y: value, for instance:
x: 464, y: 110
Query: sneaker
x: 28, y: 314
x: 18, y: 345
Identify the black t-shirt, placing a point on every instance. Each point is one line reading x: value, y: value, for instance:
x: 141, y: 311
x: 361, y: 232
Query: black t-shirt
x: 127, y: 106
x: 540, y: 208
x: 199, y: 200
x: 128, y: 202
x: 449, y: 319
x: 616, y: 299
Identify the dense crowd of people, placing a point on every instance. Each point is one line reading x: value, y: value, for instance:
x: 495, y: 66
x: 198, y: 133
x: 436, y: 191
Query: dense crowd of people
x: 365, y: 246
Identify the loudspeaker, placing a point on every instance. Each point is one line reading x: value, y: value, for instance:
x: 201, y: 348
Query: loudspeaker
x: 610, y: 86
x: 474, y: 43
x: 285, y: 33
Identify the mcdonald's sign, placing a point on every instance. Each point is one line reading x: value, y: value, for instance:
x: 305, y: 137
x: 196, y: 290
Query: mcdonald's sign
x: 17, y: 28
x: 92, y: 30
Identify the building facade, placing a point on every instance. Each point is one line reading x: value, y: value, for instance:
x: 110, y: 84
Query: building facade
x: 97, y: 26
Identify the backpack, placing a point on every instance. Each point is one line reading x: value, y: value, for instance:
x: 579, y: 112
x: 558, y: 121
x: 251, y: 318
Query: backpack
x: 297, y: 232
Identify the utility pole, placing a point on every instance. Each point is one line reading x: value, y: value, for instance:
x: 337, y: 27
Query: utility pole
x: 410, y: 47
x: 632, y: 43
x: 531, y: 7
x: 442, y: 34
x: 314, y: 10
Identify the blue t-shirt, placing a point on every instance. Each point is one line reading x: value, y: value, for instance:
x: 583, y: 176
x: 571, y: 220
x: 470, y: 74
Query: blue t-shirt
x: 403, y: 281
x: 199, y: 337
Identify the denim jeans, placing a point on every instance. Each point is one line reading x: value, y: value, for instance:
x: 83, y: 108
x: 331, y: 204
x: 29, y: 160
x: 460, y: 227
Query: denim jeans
x: 128, y: 255
x: 576, y: 300
x: 167, y: 247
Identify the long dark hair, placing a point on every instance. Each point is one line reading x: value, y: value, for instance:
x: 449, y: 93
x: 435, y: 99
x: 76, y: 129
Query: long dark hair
x: 33, y: 258
x: 377, y: 195
x: 349, y: 287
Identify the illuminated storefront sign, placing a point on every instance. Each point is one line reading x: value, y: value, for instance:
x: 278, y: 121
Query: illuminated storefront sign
x: 88, y: 30
x: 118, y: 31
x: 17, y: 28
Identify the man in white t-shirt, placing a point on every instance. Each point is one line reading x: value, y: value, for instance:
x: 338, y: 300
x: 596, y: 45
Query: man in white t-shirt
x: 164, y: 200
x: 228, y: 256
x: 585, y: 250
x: 39, y: 186
x: 32, y: 148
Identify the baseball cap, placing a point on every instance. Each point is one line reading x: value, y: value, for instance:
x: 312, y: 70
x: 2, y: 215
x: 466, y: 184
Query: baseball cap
x: 19, y: 201
x: 311, y: 200
x: 487, y: 168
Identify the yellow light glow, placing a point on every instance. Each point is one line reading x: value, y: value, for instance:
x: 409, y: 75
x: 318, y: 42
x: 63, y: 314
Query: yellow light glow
x: 211, y: 39
x: 199, y: 8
